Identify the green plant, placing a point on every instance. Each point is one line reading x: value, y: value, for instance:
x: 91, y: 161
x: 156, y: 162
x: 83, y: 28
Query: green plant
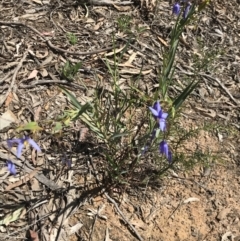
x: 124, y: 22
x: 72, y: 38
x: 70, y: 70
x: 130, y: 135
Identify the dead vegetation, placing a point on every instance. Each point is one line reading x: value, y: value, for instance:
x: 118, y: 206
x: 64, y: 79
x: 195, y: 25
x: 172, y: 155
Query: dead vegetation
x: 48, y: 201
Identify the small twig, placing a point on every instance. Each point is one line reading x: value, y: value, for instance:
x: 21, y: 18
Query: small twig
x: 33, y: 84
x: 40, y: 177
x: 77, y: 53
x: 23, y: 180
x: 211, y: 78
x: 6, y: 77
x: 42, y: 82
x: 115, y: 204
x: 97, y: 214
x: 123, y: 217
x: 222, y: 86
x: 14, y: 78
x: 109, y: 3
x: 178, y: 206
x: 50, y: 43
x: 197, y: 183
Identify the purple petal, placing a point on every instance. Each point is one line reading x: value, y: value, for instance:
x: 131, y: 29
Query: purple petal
x: 157, y: 106
x: 11, y: 167
x: 163, y: 147
x: 164, y: 115
x: 19, y: 148
x: 176, y: 9
x: 33, y: 144
x: 154, y: 112
x: 11, y: 142
x: 185, y: 13
x: 169, y: 156
x: 162, y: 124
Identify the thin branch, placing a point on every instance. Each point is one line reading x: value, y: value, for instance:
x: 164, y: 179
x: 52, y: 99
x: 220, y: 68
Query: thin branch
x: 109, y: 3
x: 50, y: 44
x: 14, y: 78
x: 27, y: 167
x: 123, y: 217
x: 115, y: 204
x: 221, y: 85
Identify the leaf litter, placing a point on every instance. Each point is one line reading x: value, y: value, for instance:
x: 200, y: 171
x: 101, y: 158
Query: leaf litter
x: 59, y: 199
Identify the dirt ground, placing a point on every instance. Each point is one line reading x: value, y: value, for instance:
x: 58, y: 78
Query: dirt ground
x: 57, y: 203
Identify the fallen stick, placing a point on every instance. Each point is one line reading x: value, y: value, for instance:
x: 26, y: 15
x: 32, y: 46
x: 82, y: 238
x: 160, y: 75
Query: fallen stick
x: 14, y: 78
x: 108, y: 3
x: 50, y: 44
x: 40, y: 177
x: 115, y: 204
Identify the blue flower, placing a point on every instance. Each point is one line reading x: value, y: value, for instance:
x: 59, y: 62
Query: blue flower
x: 159, y: 115
x: 176, y: 8
x: 20, y: 142
x: 11, y: 167
x: 185, y: 13
x: 164, y: 149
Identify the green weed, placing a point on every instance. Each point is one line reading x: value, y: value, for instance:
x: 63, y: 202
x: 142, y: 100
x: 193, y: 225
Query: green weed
x: 72, y: 38
x: 70, y: 70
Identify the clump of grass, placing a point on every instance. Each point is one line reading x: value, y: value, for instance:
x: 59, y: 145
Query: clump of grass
x: 72, y: 38
x: 124, y: 23
x: 70, y: 70
x: 135, y: 128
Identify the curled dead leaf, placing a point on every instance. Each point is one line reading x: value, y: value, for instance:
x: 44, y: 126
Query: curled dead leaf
x: 191, y: 199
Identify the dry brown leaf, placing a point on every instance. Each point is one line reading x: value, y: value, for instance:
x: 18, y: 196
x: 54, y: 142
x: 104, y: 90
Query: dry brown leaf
x: 43, y: 53
x: 23, y: 180
x: 126, y: 64
x: 7, y: 118
x: 107, y: 236
x: 75, y: 228
x: 115, y: 52
x: 90, y: 20
x: 139, y: 224
x: 37, y: 113
x: 98, y: 25
x: 34, y: 157
x: 39, y: 2
x: 33, y: 235
x: 191, y: 199
x: 9, y: 99
x: 162, y: 41
x: 33, y: 74
x: 47, y: 60
x: 134, y: 71
x: 122, y: 8
x: 130, y: 60
x: 43, y: 72
x: 207, y: 112
x: 33, y: 16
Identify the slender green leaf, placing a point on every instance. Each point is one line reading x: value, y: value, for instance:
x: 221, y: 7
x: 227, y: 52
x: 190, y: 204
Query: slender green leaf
x: 116, y: 135
x: 30, y: 126
x: 72, y: 98
x: 187, y: 91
